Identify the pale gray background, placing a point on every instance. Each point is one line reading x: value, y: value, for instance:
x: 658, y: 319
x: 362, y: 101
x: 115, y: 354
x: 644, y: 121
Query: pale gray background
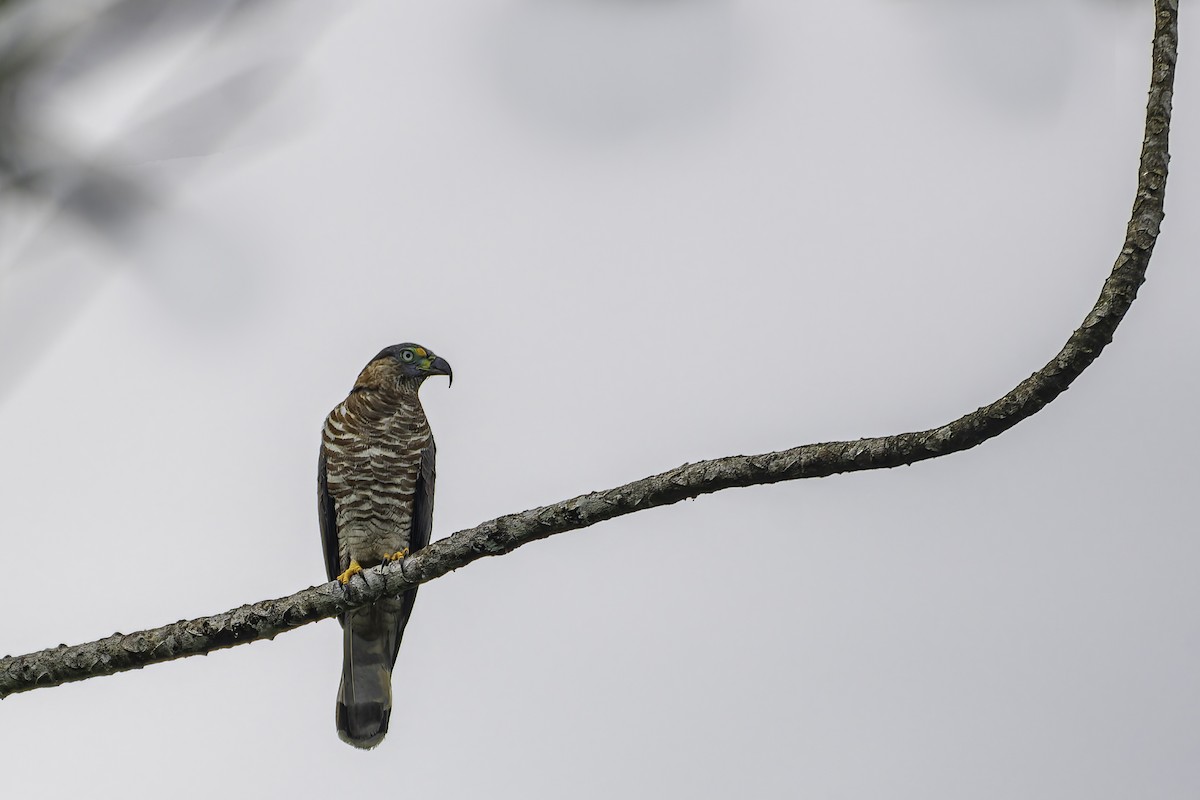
x: 643, y: 233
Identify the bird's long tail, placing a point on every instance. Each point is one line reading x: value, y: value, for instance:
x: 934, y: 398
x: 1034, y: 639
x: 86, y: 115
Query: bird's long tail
x: 371, y: 637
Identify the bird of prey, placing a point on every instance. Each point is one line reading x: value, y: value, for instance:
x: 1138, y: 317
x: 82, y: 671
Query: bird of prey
x: 375, y: 498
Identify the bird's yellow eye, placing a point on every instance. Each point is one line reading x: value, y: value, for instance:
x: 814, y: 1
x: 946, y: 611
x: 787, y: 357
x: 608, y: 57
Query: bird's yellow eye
x: 407, y: 356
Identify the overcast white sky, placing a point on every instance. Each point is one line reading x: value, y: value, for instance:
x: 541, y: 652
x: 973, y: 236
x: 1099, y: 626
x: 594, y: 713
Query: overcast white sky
x: 643, y: 233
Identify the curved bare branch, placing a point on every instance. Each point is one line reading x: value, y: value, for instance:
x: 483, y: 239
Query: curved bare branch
x: 266, y: 619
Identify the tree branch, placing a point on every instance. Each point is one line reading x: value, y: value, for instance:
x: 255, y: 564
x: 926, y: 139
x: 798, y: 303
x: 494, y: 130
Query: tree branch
x: 266, y: 619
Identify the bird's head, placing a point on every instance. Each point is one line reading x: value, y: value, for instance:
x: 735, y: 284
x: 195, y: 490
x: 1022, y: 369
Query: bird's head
x: 406, y: 363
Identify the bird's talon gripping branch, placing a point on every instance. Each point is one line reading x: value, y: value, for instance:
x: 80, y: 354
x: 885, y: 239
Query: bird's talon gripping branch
x: 399, y: 555
x: 350, y: 572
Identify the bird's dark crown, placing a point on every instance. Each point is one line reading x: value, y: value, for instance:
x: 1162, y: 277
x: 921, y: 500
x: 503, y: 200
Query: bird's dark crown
x: 395, y: 350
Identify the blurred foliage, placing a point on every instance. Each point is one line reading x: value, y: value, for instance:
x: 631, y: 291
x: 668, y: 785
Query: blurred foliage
x: 106, y: 108
x: 214, y: 62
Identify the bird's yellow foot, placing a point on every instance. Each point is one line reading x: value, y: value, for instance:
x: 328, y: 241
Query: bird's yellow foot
x: 350, y: 572
x: 399, y: 555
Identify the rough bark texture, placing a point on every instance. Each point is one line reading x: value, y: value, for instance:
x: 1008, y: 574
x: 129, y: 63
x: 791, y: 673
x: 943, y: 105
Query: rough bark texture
x: 266, y: 619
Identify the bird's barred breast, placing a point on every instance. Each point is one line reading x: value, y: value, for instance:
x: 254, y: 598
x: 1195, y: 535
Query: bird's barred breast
x: 372, y: 461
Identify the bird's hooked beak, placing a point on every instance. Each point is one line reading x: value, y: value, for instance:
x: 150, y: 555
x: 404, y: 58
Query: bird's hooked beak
x: 439, y: 366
